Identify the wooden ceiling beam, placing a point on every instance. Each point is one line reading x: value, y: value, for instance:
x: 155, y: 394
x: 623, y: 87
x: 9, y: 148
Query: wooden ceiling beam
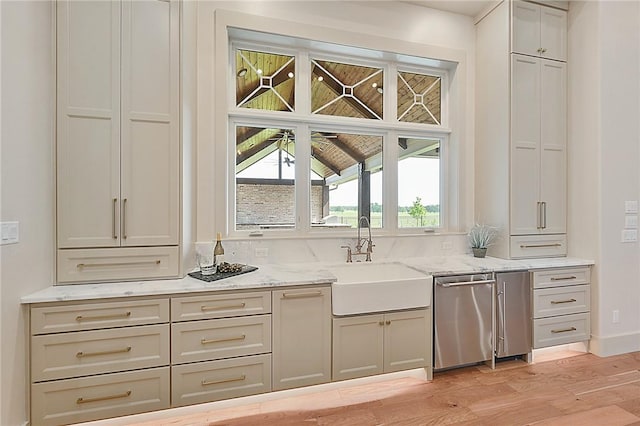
x: 253, y: 150
x: 344, y: 147
x: 337, y: 88
x: 317, y: 154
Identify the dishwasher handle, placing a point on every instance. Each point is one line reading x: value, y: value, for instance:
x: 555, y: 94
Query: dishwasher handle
x: 465, y: 283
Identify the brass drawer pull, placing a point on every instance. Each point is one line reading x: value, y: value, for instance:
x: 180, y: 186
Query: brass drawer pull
x: 103, y: 398
x: 80, y: 318
x: 557, y: 302
x: 226, y: 339
x: 301, y: 295
x: 144, y: 262
x: 114, y: 351
x: 572, y: 277
x: 564, y: 330
x: 216, y: 382
x: 540, y: 245
x: 219, y: 308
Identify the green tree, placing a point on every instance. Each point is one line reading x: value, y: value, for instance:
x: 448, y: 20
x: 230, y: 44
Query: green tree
x: 417, y: 211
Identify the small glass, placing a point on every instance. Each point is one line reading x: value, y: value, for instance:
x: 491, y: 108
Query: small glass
x: 206, y: 263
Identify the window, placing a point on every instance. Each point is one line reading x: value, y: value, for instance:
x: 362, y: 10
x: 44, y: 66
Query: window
x: 311, y: 140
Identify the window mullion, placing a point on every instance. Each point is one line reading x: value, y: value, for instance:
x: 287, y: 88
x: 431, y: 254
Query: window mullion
x: 303, y: 178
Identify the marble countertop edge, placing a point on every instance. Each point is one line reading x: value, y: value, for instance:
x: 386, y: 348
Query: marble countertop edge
x: 284, y: 275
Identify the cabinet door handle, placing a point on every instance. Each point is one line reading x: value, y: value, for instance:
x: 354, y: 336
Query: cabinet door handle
x: 544, y: 215
x: 301, y: 295
x: 380, y: 322
x: 539, y: 245
x: 103, y: 317
x: 572, y: 277
x: 387, y: 322
x: 221, y: 307
x: 539, y: 215
x: 225, y: 339
x: 113, y: 225
x: 103, y: 398
x: 216, y: 382
x: 544, y: 50
x: 124, y: 217
x: 557, y: 302
x: 111, y: 352
x: 564, y: 330
x: 539, y: 49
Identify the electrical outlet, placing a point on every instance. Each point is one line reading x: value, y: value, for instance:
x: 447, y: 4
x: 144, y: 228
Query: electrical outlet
x: 631, y: 222
x: 261, y: 252
x: 631, y: 206
x: 616, y: 316
x: 10, y: 233
x: 447, y: 245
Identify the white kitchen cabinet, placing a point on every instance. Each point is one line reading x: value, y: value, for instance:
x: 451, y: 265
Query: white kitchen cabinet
x: 561, y: 306
x: 381, y: 343
x: 539, y: 30
x: 538, y: 146
x: 118, y: 125
x: 301, y: 337
x: 521, y: 132
x: 95, y: 360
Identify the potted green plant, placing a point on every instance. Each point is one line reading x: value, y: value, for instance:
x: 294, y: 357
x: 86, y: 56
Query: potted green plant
x: 480, y: 238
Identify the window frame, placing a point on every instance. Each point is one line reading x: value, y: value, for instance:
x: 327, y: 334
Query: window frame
x: 302, y: 119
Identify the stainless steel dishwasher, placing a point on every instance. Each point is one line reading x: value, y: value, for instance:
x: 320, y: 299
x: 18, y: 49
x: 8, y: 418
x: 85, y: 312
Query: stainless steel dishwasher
x: 464, y: 316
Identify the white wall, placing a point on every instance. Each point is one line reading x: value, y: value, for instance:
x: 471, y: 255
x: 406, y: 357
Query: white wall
x: 27, y: 155
x: 604, y: 146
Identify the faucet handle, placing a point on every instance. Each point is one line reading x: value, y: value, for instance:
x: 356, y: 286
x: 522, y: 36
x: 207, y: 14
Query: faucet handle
x: 349, y: 259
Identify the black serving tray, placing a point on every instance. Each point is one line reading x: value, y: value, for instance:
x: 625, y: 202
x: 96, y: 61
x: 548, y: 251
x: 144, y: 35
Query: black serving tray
x: 222, y: 275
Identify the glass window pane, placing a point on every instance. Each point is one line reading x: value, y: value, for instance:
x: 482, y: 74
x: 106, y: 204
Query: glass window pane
x: 419, y: 98
x: 265, y: 178
x: 265, y: 81
x: 418, y: 183
x: 346, y: 90
x: 346, y: 179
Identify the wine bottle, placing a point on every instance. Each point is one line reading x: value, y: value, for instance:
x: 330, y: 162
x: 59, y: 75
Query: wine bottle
x: 218, y: 250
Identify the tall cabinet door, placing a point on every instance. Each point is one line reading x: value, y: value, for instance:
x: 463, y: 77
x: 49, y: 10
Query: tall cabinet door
x: 553, y: 186
x: 525, y: 145
x: 301, y: 337
x: 88, y: 124
x: 150, y: 131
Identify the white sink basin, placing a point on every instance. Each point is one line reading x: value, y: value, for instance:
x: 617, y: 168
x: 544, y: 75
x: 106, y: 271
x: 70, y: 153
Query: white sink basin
x: 378, y: 287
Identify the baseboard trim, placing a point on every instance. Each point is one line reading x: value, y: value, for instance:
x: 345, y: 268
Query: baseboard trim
x: 604, y: 346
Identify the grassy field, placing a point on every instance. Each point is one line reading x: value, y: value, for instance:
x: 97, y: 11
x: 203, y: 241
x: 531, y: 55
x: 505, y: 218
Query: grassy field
x: 405, y: 220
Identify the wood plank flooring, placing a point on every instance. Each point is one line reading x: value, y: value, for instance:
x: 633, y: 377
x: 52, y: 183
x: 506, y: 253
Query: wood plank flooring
x: 576, y: 390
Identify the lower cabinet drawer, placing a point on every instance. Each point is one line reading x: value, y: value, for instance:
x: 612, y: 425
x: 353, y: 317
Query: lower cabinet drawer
x: 221, y: 338
x: 117, y: 264
x: 92, y: 398
x: 524, y: 246
x: 556, y: 301
x: 215, y: 380
x: 65, y: 355
x: 561, y: 330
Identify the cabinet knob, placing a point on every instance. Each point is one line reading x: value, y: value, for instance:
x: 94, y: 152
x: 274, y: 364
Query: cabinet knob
x: 387, y: 322
x: 381, y: 323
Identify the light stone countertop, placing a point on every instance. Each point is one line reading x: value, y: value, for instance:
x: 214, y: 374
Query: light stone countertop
x: 282, y: 275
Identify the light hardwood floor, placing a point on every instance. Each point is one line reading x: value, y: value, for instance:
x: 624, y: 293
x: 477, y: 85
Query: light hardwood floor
x: 576, y: 390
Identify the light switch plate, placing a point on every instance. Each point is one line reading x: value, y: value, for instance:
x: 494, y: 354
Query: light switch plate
x: 631, y: 222
x: 10, y: 233
x: 631, y: 206
x: 629, y: 235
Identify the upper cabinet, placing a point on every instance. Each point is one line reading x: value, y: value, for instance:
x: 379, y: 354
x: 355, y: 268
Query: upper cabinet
x: 118, y: 141
x: 521, y: 129
x: 539, y: 31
